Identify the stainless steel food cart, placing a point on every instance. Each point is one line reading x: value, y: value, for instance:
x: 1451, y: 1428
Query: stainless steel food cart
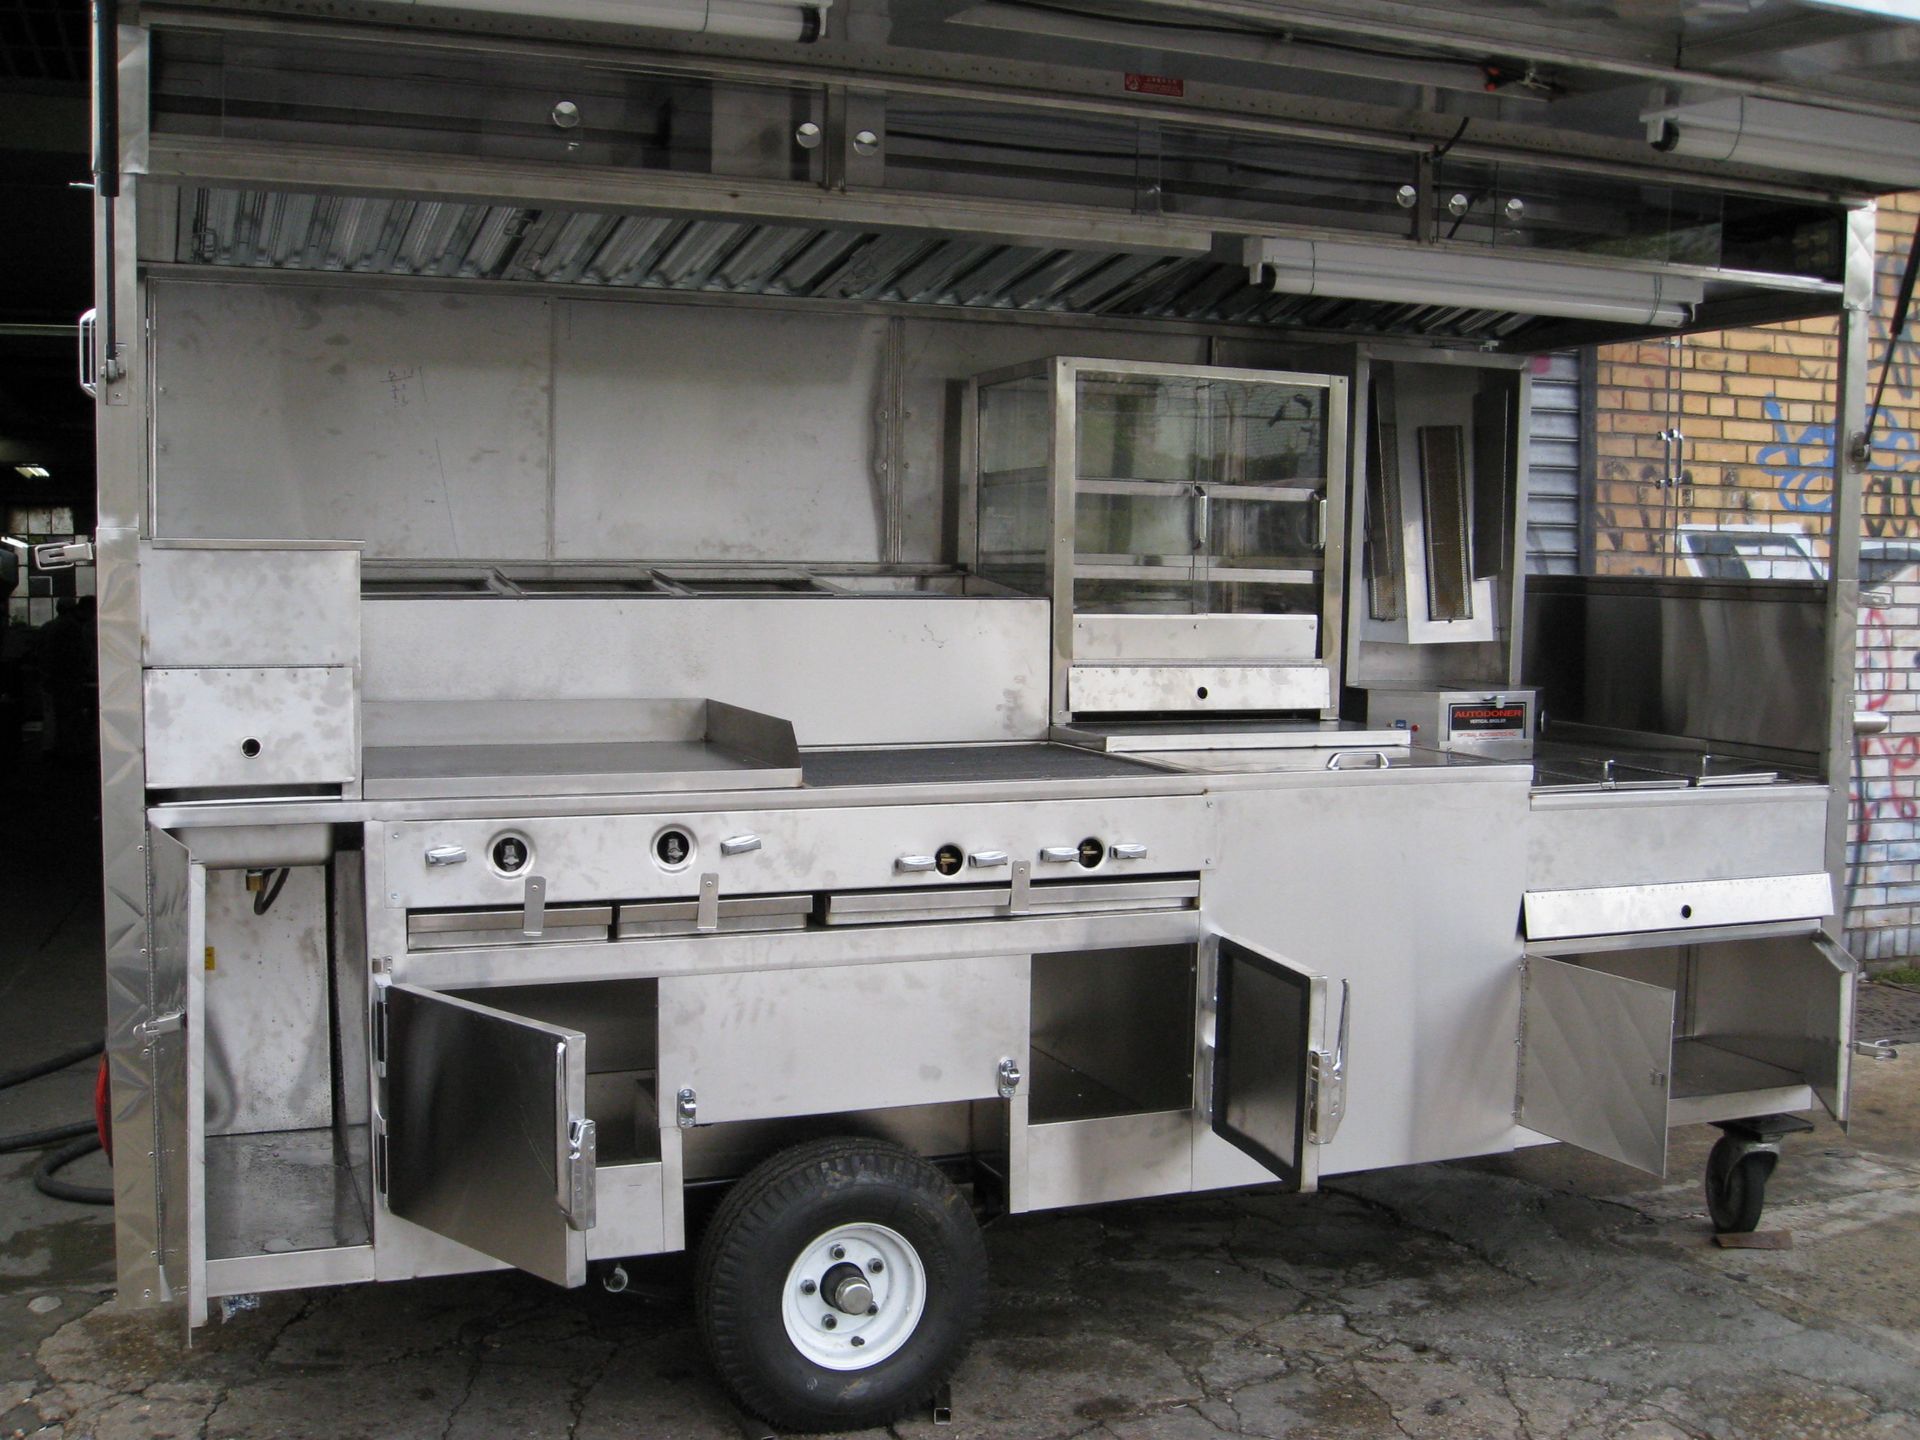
x: 783, y: 625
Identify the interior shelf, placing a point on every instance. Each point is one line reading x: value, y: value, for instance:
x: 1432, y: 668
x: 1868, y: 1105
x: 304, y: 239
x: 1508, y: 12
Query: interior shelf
x: 282, y: 1191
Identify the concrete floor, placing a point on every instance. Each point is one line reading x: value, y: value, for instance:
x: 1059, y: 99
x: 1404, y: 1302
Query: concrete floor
x: 1535, y: 1296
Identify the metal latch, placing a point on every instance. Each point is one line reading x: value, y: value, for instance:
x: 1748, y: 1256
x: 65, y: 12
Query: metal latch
x: 161, y: 1024
x: 1129, y: 852
x: 533, y: 909
x: 739, y: 844
x: 578, y: 1198
x: 1059, y: 854
x: 63, y: 555
x: 447, y: 855
x: 1327, y: 1079
x: 912, y: 864
x: 686, y: 1105
x: 1009, y: 1077
x: 1020, y: 896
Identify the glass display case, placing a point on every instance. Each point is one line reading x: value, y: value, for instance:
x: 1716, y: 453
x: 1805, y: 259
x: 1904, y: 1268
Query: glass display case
x: 1186, y: 520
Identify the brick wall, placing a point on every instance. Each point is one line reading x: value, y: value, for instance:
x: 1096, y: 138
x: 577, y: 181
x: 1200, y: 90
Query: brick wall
x: 1757, y: 410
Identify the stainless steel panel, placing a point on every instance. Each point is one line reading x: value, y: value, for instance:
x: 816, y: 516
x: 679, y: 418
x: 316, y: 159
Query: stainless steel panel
x: 126, y: 871
x: 1615, y: 910
x: 452, y: 929
x: 857, y: 945
x: 632, y: 1217
x: 477, y: 1112
x: 1596, y: 1061
x: 591, y: 857
x: 252, y: 606
x: 736, y: 913
x: 1695, y: 659
x: 1434, y: 974
x: 663, y: 455
x: 294, y: 1270
x: 1785, y: 1001
x: 416, y: 423
x: 250, y: 728
x: 875, y: 907
x: 265, y: 987
x: 176, y: 936
x: 253, y: 847
x: 350, y: 981
x: 1109, y: 689
x: 1581, y: 842
x: 899, y: 670
x: 1115, y: 1157
x: 811, y: 1042
x: 1263, y: 638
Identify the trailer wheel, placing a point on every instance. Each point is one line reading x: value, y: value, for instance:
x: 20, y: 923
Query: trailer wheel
x: 839, y: 1284
x: 1737, y: 1185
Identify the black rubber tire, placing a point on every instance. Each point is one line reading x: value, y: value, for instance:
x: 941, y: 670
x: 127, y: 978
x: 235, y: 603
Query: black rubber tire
x: 1737, y: 1186
x: 765, y: 1224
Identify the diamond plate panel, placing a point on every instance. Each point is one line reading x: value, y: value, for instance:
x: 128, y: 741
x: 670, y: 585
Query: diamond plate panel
x: 1595, y: 1061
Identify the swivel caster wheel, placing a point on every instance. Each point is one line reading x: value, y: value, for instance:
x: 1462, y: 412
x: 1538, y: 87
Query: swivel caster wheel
x: 1741, y: 1163
x: 839, y: 1284
x: 1737, y: 1178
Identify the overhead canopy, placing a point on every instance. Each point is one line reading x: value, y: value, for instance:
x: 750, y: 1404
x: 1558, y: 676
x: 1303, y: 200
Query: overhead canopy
x: 1650, y: 166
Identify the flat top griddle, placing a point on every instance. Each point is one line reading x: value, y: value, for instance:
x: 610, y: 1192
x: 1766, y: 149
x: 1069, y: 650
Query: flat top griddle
x: 965, y: 764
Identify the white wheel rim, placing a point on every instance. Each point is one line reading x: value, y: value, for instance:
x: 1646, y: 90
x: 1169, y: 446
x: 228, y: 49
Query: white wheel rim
x: 887, y: 1263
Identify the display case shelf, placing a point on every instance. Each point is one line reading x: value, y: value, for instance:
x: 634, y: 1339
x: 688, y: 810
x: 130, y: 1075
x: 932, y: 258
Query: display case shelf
x: 1208, y: 496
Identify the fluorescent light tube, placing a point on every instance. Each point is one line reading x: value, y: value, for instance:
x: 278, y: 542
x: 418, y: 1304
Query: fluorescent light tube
x: 740, y: 19
x: 1777, y: 135
x: 1423, y: 275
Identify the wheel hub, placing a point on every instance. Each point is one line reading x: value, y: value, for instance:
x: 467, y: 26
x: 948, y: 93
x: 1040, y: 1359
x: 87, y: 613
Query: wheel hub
x: 847, y: 1290
x: 854, y: 1296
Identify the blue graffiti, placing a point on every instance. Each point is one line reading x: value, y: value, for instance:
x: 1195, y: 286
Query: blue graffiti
x: 1802, y: 465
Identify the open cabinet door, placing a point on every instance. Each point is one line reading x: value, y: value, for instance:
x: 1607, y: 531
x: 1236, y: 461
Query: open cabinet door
x: 487, y: 1140
x: 1830, y: 1029
x: 1278, y: 1091
x: 1596, y: 1061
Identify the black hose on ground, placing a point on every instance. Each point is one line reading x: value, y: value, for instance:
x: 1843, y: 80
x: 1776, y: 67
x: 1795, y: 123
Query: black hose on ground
x: 39, y: 1139
x: 45, y: 1181
x: 81, y: 1137
x: 11, y: 1078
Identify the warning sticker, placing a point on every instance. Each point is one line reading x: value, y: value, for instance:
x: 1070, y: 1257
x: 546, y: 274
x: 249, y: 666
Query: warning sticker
x: 1156, y: 85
